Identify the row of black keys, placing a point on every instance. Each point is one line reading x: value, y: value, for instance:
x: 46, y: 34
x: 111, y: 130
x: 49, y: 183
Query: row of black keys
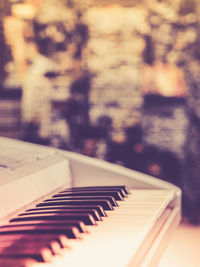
x: 42, y: 232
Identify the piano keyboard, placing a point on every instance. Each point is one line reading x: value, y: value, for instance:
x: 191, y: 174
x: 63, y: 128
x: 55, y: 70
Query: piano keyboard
x: 64, y: 209
x: 66, y: 230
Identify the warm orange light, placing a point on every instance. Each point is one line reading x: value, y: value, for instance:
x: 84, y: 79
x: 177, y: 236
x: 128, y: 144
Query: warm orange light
x: 25, y: 11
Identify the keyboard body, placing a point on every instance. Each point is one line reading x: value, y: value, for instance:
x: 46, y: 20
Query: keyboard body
x: 133, y: 234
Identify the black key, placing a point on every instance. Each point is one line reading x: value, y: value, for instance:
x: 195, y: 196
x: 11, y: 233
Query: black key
x: 118, y: 194
x: 122, y: 188
x: 10, y: 262
x: 38, y: 254
x: 78, y: 224
x: 115, y: 194
x: 106, y: 205
x: 54, y: 246
x: 86, y: 218
x: 98, y: 209
x: 110, y: 199
x: 60, y: 238
x: 70, y: 232
x: 94, y: 213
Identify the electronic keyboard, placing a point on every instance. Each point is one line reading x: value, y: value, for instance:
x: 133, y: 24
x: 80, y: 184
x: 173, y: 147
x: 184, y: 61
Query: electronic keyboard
x: 59, y: 208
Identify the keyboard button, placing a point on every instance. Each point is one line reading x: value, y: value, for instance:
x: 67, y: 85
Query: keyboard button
x: 69, y: 231
x: 24, y: 262
x: 53, y: 245
x: 86, y: 218
x: 60, y: 238
x: 78, y: 224
x: 92, y: 212
x: 123, y: 189
x: 106, y: 205
x: 109, y: 198
x: 38, y: 254
x: 99, y: 209
x: 115, y: 194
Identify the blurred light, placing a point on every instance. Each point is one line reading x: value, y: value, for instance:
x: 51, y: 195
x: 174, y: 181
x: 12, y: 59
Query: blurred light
x: 25, y: 11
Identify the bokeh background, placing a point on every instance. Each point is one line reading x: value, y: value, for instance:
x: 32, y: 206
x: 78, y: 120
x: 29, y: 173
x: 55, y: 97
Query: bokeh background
x: 116, y: 80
